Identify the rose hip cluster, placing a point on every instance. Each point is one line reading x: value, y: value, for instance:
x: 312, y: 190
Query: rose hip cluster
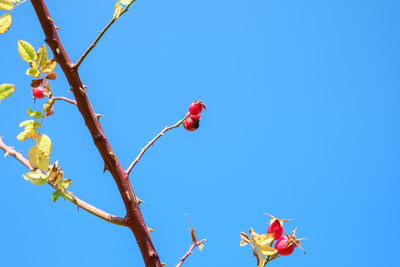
x: 192, y: 122
x: 263, y: 244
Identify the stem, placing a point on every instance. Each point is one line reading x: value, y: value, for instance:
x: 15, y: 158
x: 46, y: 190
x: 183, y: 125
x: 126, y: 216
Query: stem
x: 133, y: 219
x: 80, y: 60
x: 190, y: 251
x: 73, y: 199
x: 166, y: 129
x: 73, y: 102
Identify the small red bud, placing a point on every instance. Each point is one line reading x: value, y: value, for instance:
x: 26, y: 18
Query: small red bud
x: 38, y: 92
x: 284, y: 246
x: 196, y: 107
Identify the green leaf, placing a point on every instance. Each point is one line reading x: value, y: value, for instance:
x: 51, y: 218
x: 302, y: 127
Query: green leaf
x: 35, y: 114
x: 6, y: 5
x: 34, y: 72
x: 35, y: 177
x: 55, y: 196
x: 26, y: 51
x: 42, y: 56
x: 6, y: 89
x: 49, y: 66
x: 38, y: 158
x: 5, y: 22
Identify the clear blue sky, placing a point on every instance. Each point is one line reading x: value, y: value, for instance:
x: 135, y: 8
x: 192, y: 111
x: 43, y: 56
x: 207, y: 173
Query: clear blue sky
x: 303, y: 122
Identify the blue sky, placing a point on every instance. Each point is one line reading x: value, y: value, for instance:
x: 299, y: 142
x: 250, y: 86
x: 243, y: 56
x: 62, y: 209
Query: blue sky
x: 302, y: 122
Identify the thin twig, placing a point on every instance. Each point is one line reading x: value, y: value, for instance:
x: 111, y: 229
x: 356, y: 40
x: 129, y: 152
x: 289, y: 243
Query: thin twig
x: 190, y: 251
x: 65, y: 193
x: 166, y: 129
x: 80, y: 60
x: 73, y: 102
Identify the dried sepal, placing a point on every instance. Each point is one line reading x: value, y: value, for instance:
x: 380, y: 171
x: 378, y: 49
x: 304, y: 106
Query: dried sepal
x: 244, y: 239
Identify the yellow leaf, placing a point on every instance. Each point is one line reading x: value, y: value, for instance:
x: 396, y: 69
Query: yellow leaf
x: 36, y: 178
x: 42, y: 56
x: 267, y: 250
x: 6, y: 90
x: 34, y: 72
x: 44, y: 142
x: 117, y: 10
x: 49, y: 66
x: 6, y: 5
x: 5, y: 22
x: 38, y: 158
x: 201, y: 246
x: 26, y: 51
x: 29, y: 133
x: 263, y: 240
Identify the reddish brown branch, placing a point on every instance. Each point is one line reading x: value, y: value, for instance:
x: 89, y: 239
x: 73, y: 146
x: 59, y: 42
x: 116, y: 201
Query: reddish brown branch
x: 166, y: 129
x: 75, y: 200
x: 133, y: 219
x: 190, y: 251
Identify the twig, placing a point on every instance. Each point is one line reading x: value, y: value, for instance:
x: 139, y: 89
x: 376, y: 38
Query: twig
x: 166, y: 129
x: 80, y: 60
x: 190, y: 251
x: 73, y: 199
x: 73, y: 102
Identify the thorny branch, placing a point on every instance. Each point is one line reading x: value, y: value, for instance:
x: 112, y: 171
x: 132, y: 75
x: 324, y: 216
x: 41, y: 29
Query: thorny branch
x: 134, y: 218
x: 67, y: 194
x: 73, y: 102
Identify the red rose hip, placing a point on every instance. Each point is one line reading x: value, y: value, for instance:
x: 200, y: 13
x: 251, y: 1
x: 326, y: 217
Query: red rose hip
x: 192, y: 122
x: 284, y: 246
x: 196, y: 107
x: 275, y: 228
x: 38, y: 92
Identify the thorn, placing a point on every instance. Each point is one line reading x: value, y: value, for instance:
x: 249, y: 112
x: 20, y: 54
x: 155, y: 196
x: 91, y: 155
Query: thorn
x: 85, y: 87
x: 105, y: 167
x: 83, y: 92
x: 113, y: 157
x: 98, y: 116
x: 138, y: 201
x: 58, y: 51
x: 128, y: 196
x: 6, y: 154
x: 50, y: 19
x: 57, y: 28
x: 163, y: 264
x: 150, y: 229
x: 70, y: 89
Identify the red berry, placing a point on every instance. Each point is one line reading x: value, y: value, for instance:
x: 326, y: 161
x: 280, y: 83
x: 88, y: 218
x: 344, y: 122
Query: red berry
x: 275, y: 228
x: 38, y: 92
x: 192, y: 122
x: 284, y: 246
x: 196, y: 107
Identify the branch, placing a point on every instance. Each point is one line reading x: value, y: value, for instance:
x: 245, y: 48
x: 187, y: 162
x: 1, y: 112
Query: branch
x: 190, y: 251
x: 65, y: 193
x: 134, y: 218
x: 166, y: 129
x: 73, y: 102
x: 80, y: 60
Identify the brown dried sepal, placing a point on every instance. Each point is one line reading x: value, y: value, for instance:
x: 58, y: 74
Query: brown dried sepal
x: 51, y: 76
x: 36, y: 82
